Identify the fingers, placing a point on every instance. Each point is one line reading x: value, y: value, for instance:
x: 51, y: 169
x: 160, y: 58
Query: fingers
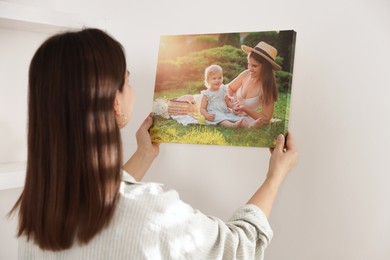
x: 290, y: 144
x: 147, y: 123
x: 279, y: 143
x: 284, y: 144
x: 144, y: 127
x: 157, y: 145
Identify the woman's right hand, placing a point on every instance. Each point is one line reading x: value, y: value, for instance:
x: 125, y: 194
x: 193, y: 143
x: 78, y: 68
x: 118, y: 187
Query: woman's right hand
x: 283, y: 158
x: 146, y: 152
x: 144, y: 142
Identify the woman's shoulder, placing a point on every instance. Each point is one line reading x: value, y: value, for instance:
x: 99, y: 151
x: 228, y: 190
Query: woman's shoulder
x: 237, y: 81
x: 146, y: 196
x: 148, y: 204
x: 243, y: 74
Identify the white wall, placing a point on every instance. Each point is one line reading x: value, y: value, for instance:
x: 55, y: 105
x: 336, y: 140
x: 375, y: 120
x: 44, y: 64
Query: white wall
x: 334, y: 205
x: 16, y: 50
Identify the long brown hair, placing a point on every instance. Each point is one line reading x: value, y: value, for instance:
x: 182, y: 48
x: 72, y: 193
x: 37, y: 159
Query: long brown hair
x: 74, y: 146
x: 270, y: 90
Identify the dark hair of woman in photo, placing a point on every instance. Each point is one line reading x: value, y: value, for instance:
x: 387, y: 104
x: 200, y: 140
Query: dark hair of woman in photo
x: 270, y: 90
x: 82, y: 201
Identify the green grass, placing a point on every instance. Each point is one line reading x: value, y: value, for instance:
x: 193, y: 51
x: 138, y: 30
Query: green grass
x: 168, y: 130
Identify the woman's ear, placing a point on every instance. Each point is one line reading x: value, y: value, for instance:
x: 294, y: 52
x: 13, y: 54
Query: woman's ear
x: 117, y: 107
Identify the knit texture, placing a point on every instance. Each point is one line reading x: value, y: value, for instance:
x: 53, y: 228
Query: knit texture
x: 150, y: 223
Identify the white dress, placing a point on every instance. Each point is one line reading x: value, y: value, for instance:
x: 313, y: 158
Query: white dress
x: 216, y: 105
x: 252, y: 103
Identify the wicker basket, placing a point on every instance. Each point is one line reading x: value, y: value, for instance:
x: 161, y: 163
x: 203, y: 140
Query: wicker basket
x: 176, y: 107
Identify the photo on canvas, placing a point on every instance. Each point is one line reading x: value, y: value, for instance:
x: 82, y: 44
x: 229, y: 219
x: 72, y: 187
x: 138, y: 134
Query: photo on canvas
x: 228, y: 89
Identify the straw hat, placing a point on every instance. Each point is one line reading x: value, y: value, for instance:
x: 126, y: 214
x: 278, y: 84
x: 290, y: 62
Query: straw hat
x: 266, y: 51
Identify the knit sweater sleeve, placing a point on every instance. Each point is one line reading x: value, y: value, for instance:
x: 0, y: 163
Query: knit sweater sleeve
x: 172, y: 229
x: 245, y: 236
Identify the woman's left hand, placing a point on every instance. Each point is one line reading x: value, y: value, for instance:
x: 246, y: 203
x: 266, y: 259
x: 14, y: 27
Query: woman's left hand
x: 238, y: 108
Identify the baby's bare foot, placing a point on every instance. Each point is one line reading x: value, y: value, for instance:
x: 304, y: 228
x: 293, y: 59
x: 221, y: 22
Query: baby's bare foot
x: 240, y: 123
x: 258, y: 123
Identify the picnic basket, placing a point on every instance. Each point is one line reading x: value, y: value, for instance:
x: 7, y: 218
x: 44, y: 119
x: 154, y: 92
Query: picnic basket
x: 178, y: 107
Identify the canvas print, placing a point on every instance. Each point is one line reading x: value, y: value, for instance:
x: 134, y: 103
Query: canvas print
x: 223, y: 89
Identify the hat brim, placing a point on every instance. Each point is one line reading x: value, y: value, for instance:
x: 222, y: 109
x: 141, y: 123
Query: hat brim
x: 248, y: 50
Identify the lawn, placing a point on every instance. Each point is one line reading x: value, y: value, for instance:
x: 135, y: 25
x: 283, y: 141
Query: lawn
x: 168, y: 130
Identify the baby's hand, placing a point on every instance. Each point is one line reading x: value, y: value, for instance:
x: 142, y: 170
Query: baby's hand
x: 210, y: 117
x: 237, y: 108
x: 229, y: 101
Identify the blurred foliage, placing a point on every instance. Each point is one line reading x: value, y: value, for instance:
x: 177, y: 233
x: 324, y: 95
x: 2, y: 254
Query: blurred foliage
x: 232, y: 39
x: 185, y: 66
x: 253, y: 38
x: 202, y: 42
x: 173, y: 74
x: 283, y: 80
x: 286, y: 47
x: 283, y: 41
x: 172, y: 46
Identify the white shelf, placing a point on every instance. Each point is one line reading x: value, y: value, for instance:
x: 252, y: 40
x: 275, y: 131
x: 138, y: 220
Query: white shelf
x: 30, y: 18
x: 12, y: 175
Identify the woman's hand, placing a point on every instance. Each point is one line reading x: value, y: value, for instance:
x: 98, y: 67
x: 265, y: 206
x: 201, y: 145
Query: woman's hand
x: 229, y: 101
x: 144, y: 143
x: 238, y: 108
x: 283, y: 158
x: 145, y: 154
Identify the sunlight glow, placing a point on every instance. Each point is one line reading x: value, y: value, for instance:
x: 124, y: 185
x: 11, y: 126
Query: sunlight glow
x: 183, y: 245
x: 137, y: 190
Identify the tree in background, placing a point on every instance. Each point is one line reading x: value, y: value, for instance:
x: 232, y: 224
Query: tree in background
x: 283, y: 41
x: 202, y: 42
x: 253, y: 38
x: 232, y: 39
x: 184, y: 68
x: 285, y: 47
x: 176, y: 73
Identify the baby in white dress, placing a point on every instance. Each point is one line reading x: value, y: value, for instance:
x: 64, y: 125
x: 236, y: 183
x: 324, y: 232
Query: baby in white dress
x: 213, y: 106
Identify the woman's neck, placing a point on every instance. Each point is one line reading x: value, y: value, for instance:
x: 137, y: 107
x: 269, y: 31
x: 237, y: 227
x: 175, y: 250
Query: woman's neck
x: 251, y: 88
x: 255, y: 80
